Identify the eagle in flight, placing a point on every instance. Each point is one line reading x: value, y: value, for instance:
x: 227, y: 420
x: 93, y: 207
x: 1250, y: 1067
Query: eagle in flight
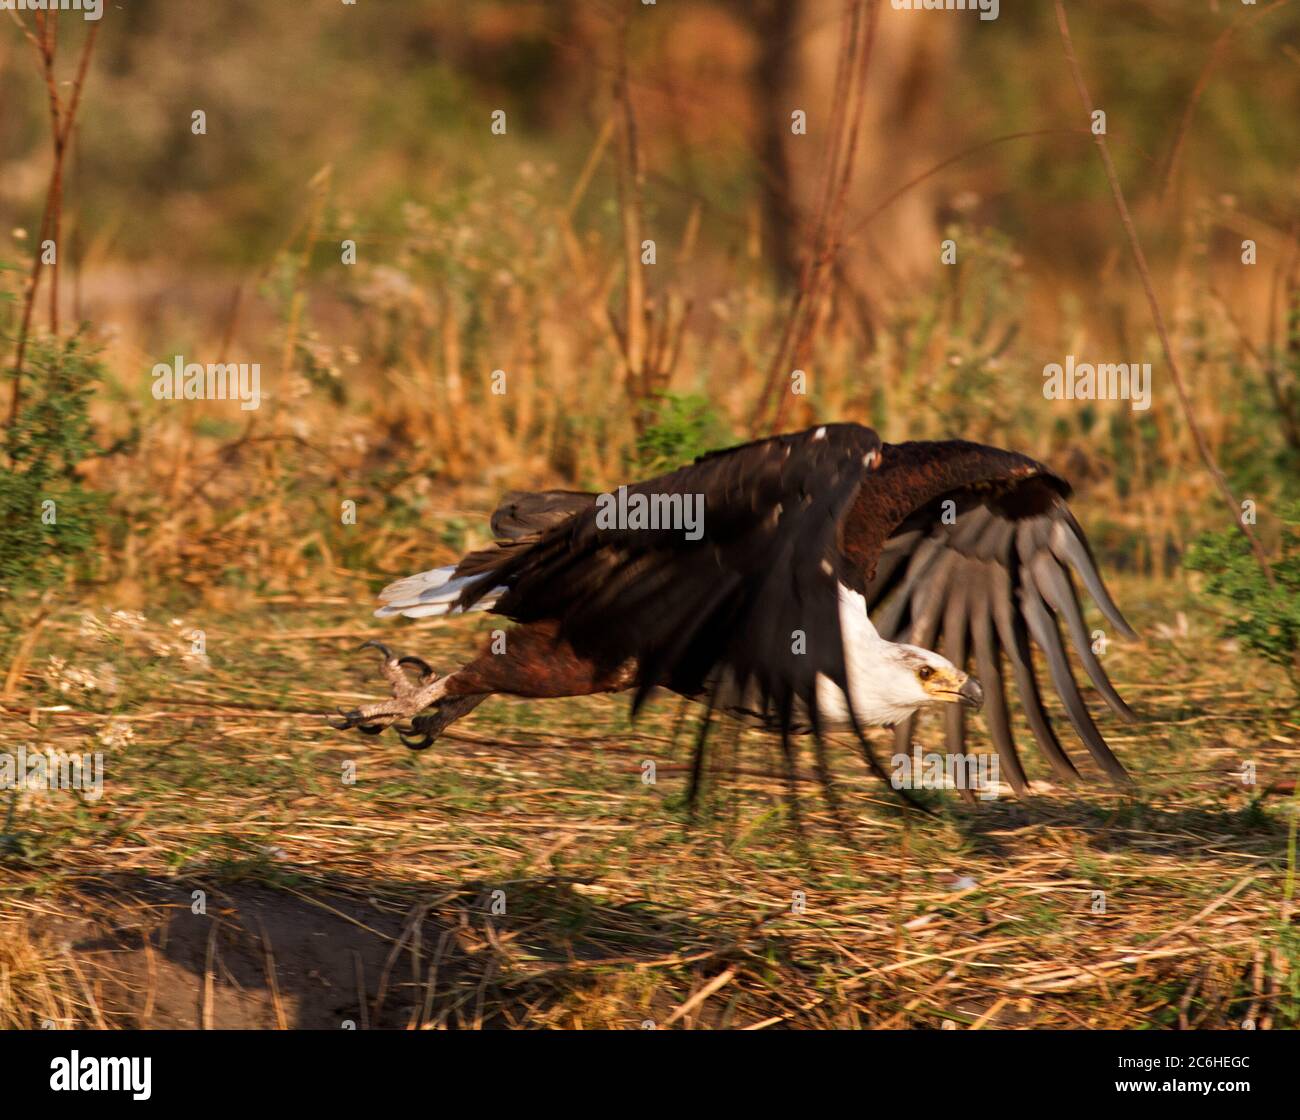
x: 827, y: 571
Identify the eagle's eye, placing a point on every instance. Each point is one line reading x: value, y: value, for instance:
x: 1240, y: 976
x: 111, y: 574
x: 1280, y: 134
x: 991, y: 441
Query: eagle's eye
x: 925, y: 672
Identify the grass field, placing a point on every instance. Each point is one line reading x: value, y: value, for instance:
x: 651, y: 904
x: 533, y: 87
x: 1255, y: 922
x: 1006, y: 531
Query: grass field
x: 376, y: 901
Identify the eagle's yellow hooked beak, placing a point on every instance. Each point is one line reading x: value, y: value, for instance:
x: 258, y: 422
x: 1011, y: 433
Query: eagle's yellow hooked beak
x: 957, y: 688
x: 971, y: 693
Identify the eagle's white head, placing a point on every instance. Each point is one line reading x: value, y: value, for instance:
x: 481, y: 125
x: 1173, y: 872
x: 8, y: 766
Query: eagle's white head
x: 901, y: 680
x: 890, y: 681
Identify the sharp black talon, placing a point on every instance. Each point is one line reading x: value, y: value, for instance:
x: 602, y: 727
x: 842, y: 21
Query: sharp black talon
x: 418, y: 727
x: 352, y: 722
x: 383, y: 649
x: 411, y: 743
x: 425, y: 668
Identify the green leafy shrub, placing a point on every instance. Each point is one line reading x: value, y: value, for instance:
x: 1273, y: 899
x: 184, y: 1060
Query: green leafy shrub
x: 680, y: 428
x: 47, y: 516
x: 1265, y: 619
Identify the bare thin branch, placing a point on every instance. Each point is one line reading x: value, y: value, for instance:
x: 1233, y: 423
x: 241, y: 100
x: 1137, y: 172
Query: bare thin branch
x: 1157, y: 315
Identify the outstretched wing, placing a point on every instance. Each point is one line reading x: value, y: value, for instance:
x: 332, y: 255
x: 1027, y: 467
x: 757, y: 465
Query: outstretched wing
x: 719, y: 612
x: 975, y: 549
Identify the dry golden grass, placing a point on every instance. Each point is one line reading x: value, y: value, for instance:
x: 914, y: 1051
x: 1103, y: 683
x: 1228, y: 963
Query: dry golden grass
x: 220, y: 777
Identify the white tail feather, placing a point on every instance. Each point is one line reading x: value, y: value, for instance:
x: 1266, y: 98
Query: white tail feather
x: 430, y: 594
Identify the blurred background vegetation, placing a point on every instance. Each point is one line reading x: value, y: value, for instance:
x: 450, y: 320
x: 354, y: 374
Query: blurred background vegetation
x: 479, y: 252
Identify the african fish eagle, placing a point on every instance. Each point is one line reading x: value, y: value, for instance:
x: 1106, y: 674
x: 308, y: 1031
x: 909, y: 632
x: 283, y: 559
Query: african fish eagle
x: 818, y: 551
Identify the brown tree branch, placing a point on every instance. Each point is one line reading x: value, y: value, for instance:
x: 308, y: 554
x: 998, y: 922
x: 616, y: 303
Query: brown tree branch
x: 61, y: 124
x: 1202, y: 81
x: 860, y: 19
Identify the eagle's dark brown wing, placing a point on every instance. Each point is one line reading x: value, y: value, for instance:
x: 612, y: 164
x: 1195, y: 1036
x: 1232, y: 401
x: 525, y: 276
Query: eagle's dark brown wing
x: 754, y: 602
x: 972, y: 551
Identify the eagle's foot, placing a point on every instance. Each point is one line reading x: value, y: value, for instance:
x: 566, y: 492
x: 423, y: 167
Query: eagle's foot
x: 424, y: 729
x: 410, y: 696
